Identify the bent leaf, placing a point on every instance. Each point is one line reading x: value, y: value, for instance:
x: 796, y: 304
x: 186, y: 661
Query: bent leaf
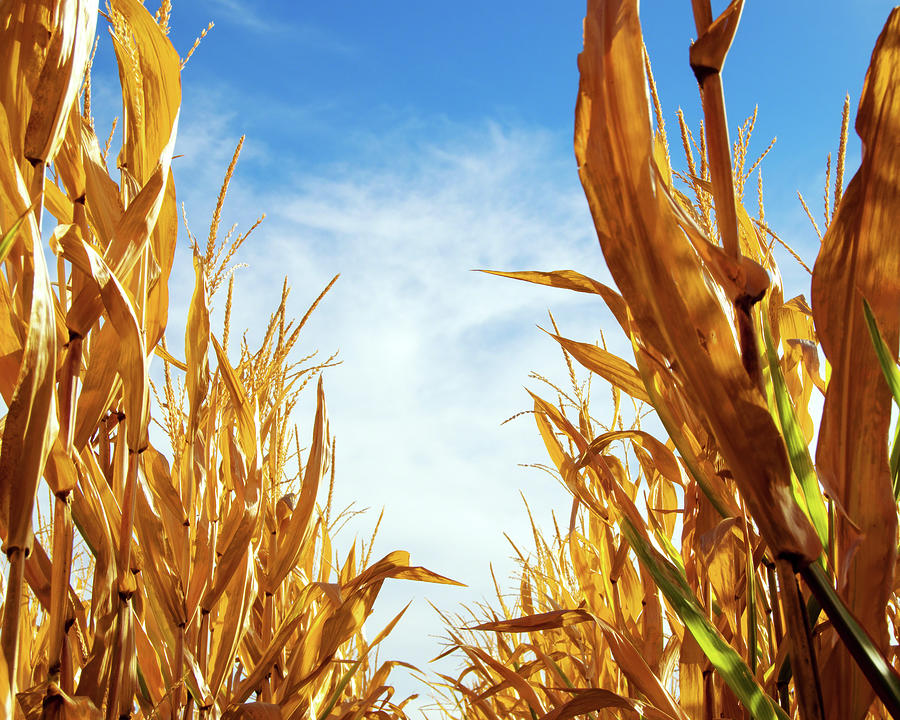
x: 571, y: 280
x: 608, y: 366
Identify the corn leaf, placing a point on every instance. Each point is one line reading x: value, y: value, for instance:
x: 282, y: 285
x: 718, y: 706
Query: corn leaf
x: 730, y: 665
x: 798, y: 452
x: 31, y: 426
x: 859, y: 258
x: 56, y: 88
x: 132, y: 360
x: 663, y: 281
x: 571, y: 280
x: 9, y: 236
x: 877, y: 668
x: 608, y: 366
x: 588, y: 701
x: 885, y: 358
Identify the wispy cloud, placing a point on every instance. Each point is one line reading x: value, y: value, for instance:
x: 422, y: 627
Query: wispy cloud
x: 434, y: 355
x: 260, y: 17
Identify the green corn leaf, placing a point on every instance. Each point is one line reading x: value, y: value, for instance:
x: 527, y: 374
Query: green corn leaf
x: 885, y: 357
x: 7, y: 240
x: 730, y: 665
x: 878, y: 671
x: 666, y: 544
x: 798, y: 452
x: 336, y: 695
x: 892, y: 375
x: 715, y: 497
x: 751, y: 606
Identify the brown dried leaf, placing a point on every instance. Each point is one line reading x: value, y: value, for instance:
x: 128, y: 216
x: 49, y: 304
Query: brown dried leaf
x: 299, y: 529
x: 151, y: 89
x: 676, y: 313
x: 589, y: 701
x: 571, y: 280
x: 541, y: 621
x: 860, y: 258
x: 610, y: 367
x: 31, y: 425
x: 131, y: 358
x: 56, y: 91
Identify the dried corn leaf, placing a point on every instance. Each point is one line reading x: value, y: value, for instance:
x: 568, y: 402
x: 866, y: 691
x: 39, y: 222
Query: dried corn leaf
x: 662, y: 279
x: 151, y: 87
x: 102, y: 384
x: 131, y: 359
x: 541, y: 621
x: 102, y: 200
x: 165, y: 587
x: 635, y: 668
x: 196, y: 346
x: 798, y: 451
x: 523, y: 689
x: 31, y: 425
x: 299, y: 529
x: 63, y: 66
x: 589, y: 701
x: 860, y: 259
x: 230, y: 622
x: 571, y: 280
x: 610, y: 367
x: 47, y: 700
x: 396, y: 565
x: 730, y: 665
x: 240, y: 405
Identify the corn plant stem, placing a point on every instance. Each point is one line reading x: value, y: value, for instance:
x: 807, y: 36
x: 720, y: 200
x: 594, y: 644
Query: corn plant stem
x: 9, y: 636
x: 807, y: 685
x: 895, y: 462
x: 63, y: 536
x: 868, y: 656
x: 269, y: 632
x: 61, y: 282
x: 188, y: 709
x: 709, y: 695
x: 126, y: 588
x: 831, y: 548
x: 70, y: 371
x: 114, y: 697
x: 203, y: 642
x: 750, y: 574
x: 719, y: 151
x: 11, y: 613
x: 770, y: 630
x: 66, y: 671
x: 702, y: 14
x: 783, y: 698
x: 178, y: 670
x: 105, y: 459
x: 128, y: 502
x: 718, y: 148
x: 144, y: 291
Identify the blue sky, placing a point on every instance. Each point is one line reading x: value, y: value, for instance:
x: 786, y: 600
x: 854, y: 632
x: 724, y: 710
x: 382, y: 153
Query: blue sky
x: 403, y: 144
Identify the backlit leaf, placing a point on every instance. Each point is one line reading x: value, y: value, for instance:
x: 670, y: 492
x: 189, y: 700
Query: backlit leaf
x: 860, y: 259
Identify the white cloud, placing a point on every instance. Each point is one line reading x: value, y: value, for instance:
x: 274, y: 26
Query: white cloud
x: 260, y: 18
x: 434, y: 356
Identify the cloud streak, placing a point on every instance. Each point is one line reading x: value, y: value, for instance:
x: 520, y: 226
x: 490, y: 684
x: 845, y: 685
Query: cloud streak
x: 434, y: 355
x: 260, y: 19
